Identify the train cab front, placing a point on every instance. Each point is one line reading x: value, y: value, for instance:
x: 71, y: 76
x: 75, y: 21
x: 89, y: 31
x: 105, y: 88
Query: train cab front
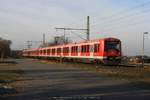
x: 112, y: 51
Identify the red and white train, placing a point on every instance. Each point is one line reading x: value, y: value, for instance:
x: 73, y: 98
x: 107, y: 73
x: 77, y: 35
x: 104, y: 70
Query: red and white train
x: 106, y: 51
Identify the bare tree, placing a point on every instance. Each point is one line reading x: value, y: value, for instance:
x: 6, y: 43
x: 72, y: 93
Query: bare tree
x: 4, y: 48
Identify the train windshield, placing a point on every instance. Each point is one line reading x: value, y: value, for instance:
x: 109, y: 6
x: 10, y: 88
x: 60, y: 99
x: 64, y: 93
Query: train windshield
x: 109, y: 45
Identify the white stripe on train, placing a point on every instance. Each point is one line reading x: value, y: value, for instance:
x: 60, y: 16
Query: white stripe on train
x: 92, y: 57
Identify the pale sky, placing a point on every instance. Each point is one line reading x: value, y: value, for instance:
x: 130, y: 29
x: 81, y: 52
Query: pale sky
x: 23, y: 20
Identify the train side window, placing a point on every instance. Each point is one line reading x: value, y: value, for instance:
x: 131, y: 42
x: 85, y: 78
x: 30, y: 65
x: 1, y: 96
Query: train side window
x: 87, y: 48
x: 41, y: 52
x: 44, y: 52
x: 96, y: 48
x: 53, y: 51
x: 65, y: 49
x: 72, y: 49
x: 48, y: 51
x: 58, y: 50
x: 84, y: 48
x: 76, y: 49
x: 81, y: 48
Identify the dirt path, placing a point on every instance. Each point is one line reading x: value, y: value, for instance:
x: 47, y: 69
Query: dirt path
x: 38, y: 80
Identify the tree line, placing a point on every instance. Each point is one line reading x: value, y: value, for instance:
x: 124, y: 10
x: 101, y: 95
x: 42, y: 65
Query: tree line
x: 4, y: 48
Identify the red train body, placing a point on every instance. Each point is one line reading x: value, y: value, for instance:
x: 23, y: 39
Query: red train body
x: 106, y: 51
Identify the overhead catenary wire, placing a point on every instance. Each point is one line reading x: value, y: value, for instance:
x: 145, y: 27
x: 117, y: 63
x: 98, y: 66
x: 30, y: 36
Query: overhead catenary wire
x: 122, y: 18
x: 123, y: 21
x: 79, y: 35
x: 126, y: 25
x: 74, y: 24
x: 109, y: 18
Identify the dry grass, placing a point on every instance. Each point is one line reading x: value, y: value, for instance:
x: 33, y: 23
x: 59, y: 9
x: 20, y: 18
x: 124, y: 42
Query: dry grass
x: 9, y: 76
x: 136, y: 75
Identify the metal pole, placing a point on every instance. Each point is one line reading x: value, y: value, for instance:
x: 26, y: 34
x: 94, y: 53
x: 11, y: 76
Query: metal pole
x: 88, y: 28
x: 43, y: 39
x: 143, y: 48
x: 29, y: 44
x: 143, y: 52
x: 64, y: 36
